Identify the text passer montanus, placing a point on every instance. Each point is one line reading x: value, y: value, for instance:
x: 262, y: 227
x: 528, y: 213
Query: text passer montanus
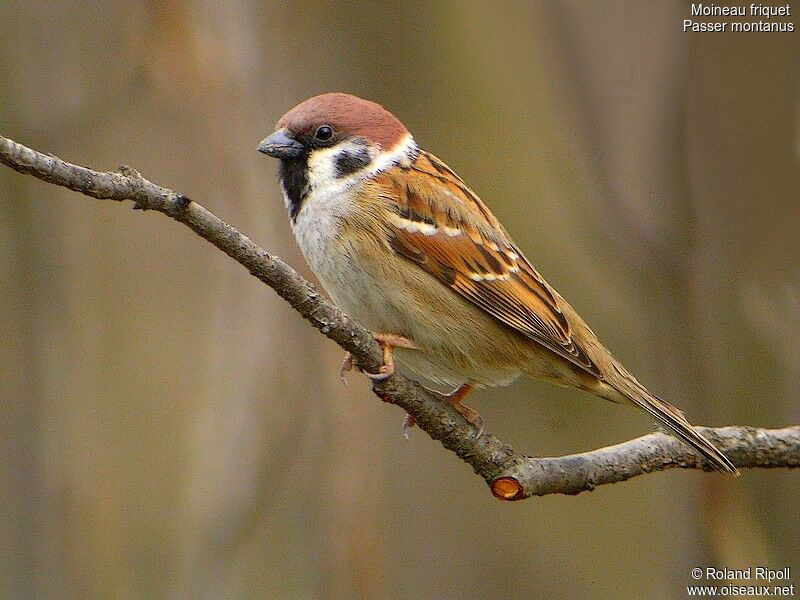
x: 403, y: 246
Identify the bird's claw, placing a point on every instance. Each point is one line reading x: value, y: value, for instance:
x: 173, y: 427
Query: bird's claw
x: 408, y: 423
x: 388, y: 342
x: 380, y: 376
x: 347, y: 366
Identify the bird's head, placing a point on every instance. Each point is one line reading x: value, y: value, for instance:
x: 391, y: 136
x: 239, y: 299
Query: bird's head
x: 331, y: 140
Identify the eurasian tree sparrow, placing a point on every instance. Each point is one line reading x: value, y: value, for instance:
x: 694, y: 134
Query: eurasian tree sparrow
x: 403, y: 246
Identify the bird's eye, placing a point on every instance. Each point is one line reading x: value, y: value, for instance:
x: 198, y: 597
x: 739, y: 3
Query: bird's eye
x: 324, y: 133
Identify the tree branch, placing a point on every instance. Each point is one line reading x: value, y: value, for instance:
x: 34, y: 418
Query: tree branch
x: 510, y: 475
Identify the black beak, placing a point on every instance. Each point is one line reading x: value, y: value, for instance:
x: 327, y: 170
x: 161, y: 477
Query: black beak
x: 281, y: 145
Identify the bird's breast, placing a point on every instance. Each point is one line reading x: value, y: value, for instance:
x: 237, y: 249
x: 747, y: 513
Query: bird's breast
x: 320, y: 229
x: 316, y: 226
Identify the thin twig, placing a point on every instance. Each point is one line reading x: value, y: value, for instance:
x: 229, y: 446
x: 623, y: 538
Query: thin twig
x: 510, y: 475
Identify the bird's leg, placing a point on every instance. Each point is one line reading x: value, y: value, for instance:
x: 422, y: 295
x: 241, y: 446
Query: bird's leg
x: 454, y: 399
x: 388, y: 342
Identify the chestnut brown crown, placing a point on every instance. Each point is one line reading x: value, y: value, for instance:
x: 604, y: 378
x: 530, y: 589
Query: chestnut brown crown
x: 348, y: 115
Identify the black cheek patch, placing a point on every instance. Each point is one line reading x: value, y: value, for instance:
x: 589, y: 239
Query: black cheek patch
x: 348, y: 163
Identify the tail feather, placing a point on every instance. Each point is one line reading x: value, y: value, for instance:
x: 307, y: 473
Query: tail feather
x: 673, y: 419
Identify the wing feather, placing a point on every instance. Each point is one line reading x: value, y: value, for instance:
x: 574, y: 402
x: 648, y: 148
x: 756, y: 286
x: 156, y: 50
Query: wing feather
x: 470, y: 252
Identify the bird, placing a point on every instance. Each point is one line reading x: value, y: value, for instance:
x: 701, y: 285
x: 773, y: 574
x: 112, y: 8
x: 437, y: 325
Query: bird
x: 404, y: 246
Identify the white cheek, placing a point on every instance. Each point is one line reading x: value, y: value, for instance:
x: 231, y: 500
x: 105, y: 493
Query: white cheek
x: 322, y: 171
x: 322, y: 167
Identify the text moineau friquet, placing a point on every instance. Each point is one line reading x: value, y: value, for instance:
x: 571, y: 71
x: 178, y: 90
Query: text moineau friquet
x: 743, y: 18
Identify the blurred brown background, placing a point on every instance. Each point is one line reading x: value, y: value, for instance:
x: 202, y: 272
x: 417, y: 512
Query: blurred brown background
x: 171, y: 429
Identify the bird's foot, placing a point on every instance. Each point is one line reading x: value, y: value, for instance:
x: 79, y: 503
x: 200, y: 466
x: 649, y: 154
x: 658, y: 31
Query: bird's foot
x: 388, y: 342
x: 454, y: 399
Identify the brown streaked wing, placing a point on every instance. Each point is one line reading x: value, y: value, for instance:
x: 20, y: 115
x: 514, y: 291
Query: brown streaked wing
x: 470, y: 252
